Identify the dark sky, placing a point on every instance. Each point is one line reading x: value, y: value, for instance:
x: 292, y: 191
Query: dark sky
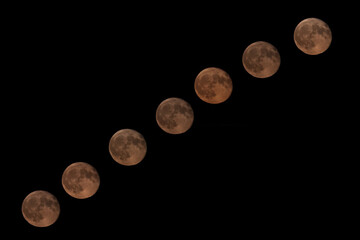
x: 251, y: 166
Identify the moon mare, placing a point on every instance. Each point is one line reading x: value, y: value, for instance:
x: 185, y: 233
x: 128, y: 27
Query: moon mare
x: 127, y: 147
x: 261, y: 59
x: 40, y: 208
x: 213, y: 85
x: 80, y: 180
x: 312, y: 36
x: 174, y: 115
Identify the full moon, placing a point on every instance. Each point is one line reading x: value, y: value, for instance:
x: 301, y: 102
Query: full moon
x: 213, y: 85
x: 261, y: 59
x: 80, y: 180
x: 40, y: 208
x: 127, y: 147
x: 174, y: 115
x: 312, y: 36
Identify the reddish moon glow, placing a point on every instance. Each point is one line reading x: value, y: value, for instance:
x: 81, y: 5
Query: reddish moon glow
x: 213, y: 85
x: 312, y: 36
x: 174, y: 115
x: 127, y: 147
x: 261, y: 59
x: 80, y: 180
x: 40, y: 208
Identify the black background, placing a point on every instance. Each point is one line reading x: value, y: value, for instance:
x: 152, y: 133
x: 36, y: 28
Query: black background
x: 252, y: 166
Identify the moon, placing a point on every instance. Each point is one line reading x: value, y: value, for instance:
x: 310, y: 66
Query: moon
x: 312, y: 36
x: 174, y: 115
x: 80, y: 180
x: 127, y: 147
x: 40, y: 208
x: 261, y: 59
x: 213, y: 85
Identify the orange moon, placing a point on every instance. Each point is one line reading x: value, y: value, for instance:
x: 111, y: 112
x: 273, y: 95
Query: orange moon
x: 213, y: 85
x: 127, y: 147
x: 174, y: 115
x: 80, y: 180
x: 312, y: 36
x: 40, y: 208
x: 261, y: 59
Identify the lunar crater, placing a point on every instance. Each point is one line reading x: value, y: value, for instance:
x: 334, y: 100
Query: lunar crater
x: 138, y: 142
x: 167, y: 120
x: 182, y: 109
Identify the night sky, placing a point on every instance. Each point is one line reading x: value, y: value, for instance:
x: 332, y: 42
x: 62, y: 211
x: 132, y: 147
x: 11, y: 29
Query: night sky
x: 251, y: 166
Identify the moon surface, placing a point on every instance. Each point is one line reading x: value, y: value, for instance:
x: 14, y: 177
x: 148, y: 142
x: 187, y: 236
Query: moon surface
x: 40, y: 208
x: 127, y: 147
x: 261, y: 59
x: 213, y: 85
x: 312, y: 36
x: 174, y: 115
x: 80, y: 180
